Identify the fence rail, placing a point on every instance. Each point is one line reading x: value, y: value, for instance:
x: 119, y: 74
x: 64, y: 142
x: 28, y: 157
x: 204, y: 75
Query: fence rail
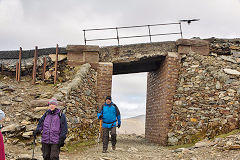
x: 135, y: 36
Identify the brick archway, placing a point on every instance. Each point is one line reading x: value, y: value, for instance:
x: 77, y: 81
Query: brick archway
x: 161, y: 86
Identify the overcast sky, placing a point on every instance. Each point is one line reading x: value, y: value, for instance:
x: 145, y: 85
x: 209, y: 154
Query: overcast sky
x: 45, y: 23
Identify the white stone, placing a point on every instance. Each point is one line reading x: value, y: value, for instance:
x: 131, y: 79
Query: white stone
x: 227, y: 58
x: 132, y: 149
x: 203, y: 144
x: 27, y: 134
x: 25, y: 122
x: 218, y: 85
x: 231, y: 71
x: 172, y: 54
x: 194, y: 66
x: 172, y: 140
x: 40, y: 109
x: 10, y: 128
x: 60, y: 57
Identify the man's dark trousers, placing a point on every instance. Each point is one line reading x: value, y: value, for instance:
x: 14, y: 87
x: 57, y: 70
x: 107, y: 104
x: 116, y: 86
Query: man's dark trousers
x: 106, y: 137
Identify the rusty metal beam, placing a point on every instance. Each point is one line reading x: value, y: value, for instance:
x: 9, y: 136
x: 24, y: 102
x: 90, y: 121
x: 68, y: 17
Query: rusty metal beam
x: 44, y: 67
x: 35, y: 65
x: 2, y: 68
x: 17, y: 71
x: 56, y: 63
x: 19, y: 64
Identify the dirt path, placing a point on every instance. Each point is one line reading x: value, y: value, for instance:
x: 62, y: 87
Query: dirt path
x: 131, y: 147
x: 128, y: 148
x: 137, y: 148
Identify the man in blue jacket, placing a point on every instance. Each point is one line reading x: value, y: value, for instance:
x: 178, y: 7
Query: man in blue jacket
x: 110, y: 115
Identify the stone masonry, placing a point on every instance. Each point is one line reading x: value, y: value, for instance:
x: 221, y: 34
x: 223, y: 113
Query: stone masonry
x: 206, y: 103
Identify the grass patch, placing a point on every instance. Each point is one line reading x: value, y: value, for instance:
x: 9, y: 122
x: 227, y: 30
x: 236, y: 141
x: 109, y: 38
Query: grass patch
x: 78, y: 146
x: 1, y: 77
x: 236, y: 131
x: 180, y: 146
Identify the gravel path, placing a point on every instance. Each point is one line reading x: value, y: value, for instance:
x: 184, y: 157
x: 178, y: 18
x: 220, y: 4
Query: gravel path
x: 132, y: 147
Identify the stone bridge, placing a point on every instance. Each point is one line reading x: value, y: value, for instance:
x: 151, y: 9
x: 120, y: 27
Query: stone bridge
x: 162, y: 62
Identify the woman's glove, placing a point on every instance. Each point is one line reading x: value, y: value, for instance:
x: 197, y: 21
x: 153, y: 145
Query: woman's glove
x: 35, y: 132
x: 61, y: 142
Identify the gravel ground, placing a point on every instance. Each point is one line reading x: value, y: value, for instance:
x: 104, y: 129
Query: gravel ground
x: 131, y: 147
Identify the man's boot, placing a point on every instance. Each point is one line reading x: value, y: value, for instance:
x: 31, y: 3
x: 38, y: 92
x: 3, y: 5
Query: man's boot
x: 104, y: 151
x: 113, y: 147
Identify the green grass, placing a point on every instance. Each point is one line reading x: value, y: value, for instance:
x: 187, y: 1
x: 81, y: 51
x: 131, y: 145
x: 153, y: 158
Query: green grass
x: 1, y: 77
x: 78, y: 146
x: 181, y: 146
x: 236, y: 131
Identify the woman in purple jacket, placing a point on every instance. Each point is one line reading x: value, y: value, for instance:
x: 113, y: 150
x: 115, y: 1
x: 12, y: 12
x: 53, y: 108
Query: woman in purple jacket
x: 53, y: 125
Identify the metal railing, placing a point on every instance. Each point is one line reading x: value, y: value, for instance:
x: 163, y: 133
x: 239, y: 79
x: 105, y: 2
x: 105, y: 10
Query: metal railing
x: 137, y: 36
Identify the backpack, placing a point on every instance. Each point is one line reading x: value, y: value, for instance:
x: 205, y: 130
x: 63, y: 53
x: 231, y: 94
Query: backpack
x: 46, y: 113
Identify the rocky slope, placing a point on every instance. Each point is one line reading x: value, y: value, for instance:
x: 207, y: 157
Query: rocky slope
x: 24, y: 104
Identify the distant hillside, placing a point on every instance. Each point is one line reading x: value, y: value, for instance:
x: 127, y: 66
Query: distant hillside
x: 133, y: 125
x: 139, y: 117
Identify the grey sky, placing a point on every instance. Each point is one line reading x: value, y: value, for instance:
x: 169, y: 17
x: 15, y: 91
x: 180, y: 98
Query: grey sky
x: 45, y: 23
x: 129, y: 93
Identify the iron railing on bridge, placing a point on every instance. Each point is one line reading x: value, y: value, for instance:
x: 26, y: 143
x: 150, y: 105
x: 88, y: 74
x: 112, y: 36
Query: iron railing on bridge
x: 137, y: 36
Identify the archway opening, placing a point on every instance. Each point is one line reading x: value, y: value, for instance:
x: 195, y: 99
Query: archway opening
x: 129, y: 94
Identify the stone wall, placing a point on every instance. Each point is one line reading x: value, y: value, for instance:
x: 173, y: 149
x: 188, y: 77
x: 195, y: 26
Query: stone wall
x: 80, y: 99
x: 161, y: 87
x: 206, y: 100
x: 24, y: 104
x: 30, y: 53
x: 225, y: 46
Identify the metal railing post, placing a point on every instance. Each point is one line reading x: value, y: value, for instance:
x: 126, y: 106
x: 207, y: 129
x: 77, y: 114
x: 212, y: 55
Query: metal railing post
x: 180, y: 25
x: 85, y: 41
x: 117, y: 35
x: 149, y: 32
